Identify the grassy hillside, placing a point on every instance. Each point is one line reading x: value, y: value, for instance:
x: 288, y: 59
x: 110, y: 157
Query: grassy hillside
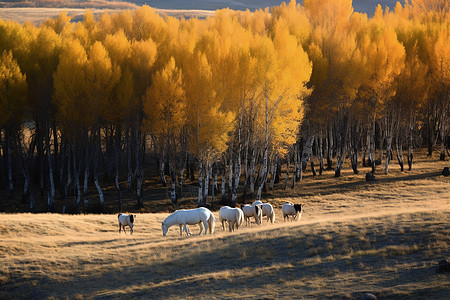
x: 385, y: 238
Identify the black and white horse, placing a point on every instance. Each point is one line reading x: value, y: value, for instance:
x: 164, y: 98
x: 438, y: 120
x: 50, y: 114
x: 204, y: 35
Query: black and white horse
x: 290, y: 209
x: 126, y: 220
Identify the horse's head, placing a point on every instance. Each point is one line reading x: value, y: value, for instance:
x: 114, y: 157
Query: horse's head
x: 298, y: 207
x: 132, y: 217
x: 164, y: 228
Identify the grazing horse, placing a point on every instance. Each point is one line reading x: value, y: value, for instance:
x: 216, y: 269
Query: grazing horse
x: 290, y: 209
x: 126, y: 220
x: 184, y: 217
x: 252, y: 211
x: 267, y: 210
x: 234, y: 217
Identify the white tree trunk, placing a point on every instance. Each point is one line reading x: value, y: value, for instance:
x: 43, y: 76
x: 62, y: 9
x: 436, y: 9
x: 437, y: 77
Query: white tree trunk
x: 252, y: 173
x: 223, y: 184
x: 287, y: 171
x: 86, y: 176
x: 237, y: 177
x: 207, y: 175
x: 68, y: 182
x: 307, y: 150
x: 130, y: 172
x: 230, y: 175
x: 266, y: 149
x: 161, y: 171
x: 272, y: 174
x: 51, y: 204
x: 200, y: 184
x: 99, y: 190
x: 76, y: 170
x: 388, y: 153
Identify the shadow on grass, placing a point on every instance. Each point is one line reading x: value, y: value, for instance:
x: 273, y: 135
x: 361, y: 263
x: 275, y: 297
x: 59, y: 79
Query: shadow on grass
x: 239, y: 266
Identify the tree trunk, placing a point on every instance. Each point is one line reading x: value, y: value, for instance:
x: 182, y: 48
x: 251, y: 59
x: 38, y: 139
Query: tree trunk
x: 96, y: 162
x: 161, y: 171
x: 266, y: 149
x: 173, y: 179
x: 329, y: 148
x: 86, y: 171
x: 443, y: 132
x: 55, y: 147
x: 237, y: 176
x: 51, y: 198
x: 371, y: 145
x: 230, y: 175
x: 294, y: 174
x: 252, y: 172
x: 287, y: 171
x: 200, y: 183
x: 388, y: 153
x: 77, y: 170
x: 277, y: 172
x: 224, y: 179
x: 272, y: 174
x: 215, y: 186
x: 139, y: 172
x: 342, y: 145
x: 40, y: 150
x: 307, y: 150
x: 27, y: 187
x: 130, y: 171
x: 319, y: 145
x: 206, y: 187
x: 399, y: 150
x: 10, y: 164
x: 117, y: 166
x: 69, y: 181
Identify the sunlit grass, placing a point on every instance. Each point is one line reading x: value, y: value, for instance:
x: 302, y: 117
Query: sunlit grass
x: 386, y: 239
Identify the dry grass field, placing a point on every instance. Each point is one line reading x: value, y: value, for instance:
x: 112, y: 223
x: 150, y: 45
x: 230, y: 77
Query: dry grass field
x: 385, y: 237
x: 37, y: 15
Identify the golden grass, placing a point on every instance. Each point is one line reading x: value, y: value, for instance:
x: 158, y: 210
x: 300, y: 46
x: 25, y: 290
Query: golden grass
x: 384, y: 237
x: 37, y: 15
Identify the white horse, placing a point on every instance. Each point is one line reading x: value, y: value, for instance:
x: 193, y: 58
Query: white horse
x: 234, y: 217
x: 126, y: 220
x: 184, y: 217
x: 267, y: 210
x: 290, y: 209
x: 252, y: 211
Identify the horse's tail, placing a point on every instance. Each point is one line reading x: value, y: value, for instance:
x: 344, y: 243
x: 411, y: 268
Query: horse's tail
x: 211, y: 223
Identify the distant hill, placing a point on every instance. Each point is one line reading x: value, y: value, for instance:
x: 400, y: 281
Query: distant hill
x: 365, y: 6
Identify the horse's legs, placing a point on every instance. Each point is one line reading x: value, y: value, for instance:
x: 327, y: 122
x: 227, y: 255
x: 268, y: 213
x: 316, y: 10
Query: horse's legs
x: 223, y: 225
x: 201, y: 227
x: 181, y: 230
x: 186, y: 228
x: 120, y: 228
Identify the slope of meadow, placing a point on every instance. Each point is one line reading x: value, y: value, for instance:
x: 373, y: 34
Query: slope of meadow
x: 384, y: 237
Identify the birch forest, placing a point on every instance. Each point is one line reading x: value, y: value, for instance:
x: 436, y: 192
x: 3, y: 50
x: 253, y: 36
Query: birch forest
x: 236, y: 103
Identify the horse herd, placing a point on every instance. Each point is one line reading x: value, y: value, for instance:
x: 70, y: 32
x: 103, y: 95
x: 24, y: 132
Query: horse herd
x: 233, y: 216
